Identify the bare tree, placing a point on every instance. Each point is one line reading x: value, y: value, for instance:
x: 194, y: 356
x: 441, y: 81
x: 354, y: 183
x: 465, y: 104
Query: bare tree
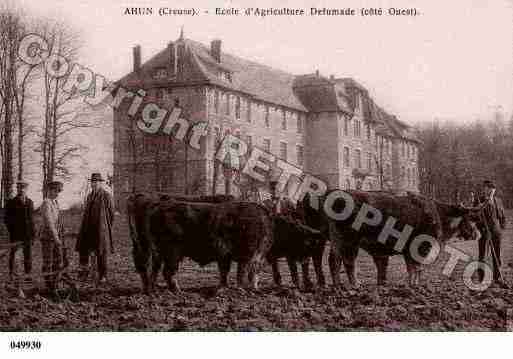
x: 64, y: 112
x: 10, y: 30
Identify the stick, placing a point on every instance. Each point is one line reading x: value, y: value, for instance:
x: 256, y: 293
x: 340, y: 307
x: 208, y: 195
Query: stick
x: 496, y: 261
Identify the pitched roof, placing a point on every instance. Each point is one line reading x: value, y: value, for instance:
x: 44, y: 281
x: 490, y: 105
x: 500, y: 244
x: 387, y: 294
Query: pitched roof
x: 262, y: 82
x: 272, y: 85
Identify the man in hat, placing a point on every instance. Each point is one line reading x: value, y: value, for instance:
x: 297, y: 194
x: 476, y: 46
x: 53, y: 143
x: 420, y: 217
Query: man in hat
x: 19, y: 219
x: 96, y: 229
x: 52, y: 241
x: 493, y: 223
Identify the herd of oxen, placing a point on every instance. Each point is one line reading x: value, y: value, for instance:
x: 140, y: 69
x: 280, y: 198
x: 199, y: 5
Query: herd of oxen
x: 221, y: 229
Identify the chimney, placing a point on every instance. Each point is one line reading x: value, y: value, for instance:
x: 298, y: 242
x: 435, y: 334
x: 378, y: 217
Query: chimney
x: 172, y: 59
x: 215, y: 50
x: 332, y: 77
x: 317, y: 73
x: 137, y: 57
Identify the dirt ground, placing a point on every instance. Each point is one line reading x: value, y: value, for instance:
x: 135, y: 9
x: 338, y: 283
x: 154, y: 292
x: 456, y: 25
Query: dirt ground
x: 440, y: 304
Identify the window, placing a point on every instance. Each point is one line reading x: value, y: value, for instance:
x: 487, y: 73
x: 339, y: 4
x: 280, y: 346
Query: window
x: 160, y: 73
x: 408, y: 150
x: 369, y: 161
x: 300, y: 155
x: 216, y: 101
x: 348, y: 184
x: 403, y: 151
x: 346, y: 126
x: 299, y: 124
x: 218, y: 136
x: 266, y: 116
x: 284, y: 120
x: 409, y: 176
x: 227, y: 104
x: 357, y: 128
x: 237, y: 108
x: 267, y: 145
x: 388, y: 171
x: 283, y: 151
x: 147, y: 144
x: 358, y: 159
x: 248, y: 118
x: 249, y: 141
x: 159, y: 94
x: 368, y: 131
x: 402, y: 172
x: 346, y: 156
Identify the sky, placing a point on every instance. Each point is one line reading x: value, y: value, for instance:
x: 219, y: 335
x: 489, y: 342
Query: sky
x: 452, y: 62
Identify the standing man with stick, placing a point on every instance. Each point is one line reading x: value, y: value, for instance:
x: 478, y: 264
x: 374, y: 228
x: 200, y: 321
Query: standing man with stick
x: 491, y: 230
x: 52, y: 241
x: 96, y: 229
x: 19, y: 219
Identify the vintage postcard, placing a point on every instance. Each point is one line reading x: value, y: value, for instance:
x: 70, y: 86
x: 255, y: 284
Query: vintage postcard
x: 255, y: 166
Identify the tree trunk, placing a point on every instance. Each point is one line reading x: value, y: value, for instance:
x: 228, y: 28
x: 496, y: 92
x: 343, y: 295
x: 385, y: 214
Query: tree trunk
x: 7, y: 168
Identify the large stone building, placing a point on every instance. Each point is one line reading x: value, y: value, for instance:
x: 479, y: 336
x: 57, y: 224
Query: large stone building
x: 329, y: 127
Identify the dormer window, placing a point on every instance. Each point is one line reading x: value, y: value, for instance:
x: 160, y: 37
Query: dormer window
x: 160, y: 73
x: 225, y: 76
x: 357, y: 103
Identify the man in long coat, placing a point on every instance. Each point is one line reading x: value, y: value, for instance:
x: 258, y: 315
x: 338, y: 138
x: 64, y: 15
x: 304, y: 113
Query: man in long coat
x: 19, y: 219
x: 96, y: 229
x: 491, y: 229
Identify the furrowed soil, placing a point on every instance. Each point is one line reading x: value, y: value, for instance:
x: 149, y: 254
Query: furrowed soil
x: 440, y: 304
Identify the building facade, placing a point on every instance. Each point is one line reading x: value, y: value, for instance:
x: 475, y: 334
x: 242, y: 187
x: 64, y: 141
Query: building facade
x: 328, y: 127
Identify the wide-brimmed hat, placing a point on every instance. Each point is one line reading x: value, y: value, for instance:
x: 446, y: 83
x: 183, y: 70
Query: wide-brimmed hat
x: 96, y: 177
x: 22, y: 184
x: 58, y: 185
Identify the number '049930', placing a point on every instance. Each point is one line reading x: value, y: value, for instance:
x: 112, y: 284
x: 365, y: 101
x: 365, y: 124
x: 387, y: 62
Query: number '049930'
x: 25, y: 345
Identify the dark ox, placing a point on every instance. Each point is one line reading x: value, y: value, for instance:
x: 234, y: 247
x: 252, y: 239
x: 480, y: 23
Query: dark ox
x: 140, y: 207
x: 204, y: 232
x: 425, y: 216
x: 297, y: 243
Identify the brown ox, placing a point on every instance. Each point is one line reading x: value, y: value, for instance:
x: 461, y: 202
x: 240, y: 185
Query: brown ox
x: 350, y: 233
